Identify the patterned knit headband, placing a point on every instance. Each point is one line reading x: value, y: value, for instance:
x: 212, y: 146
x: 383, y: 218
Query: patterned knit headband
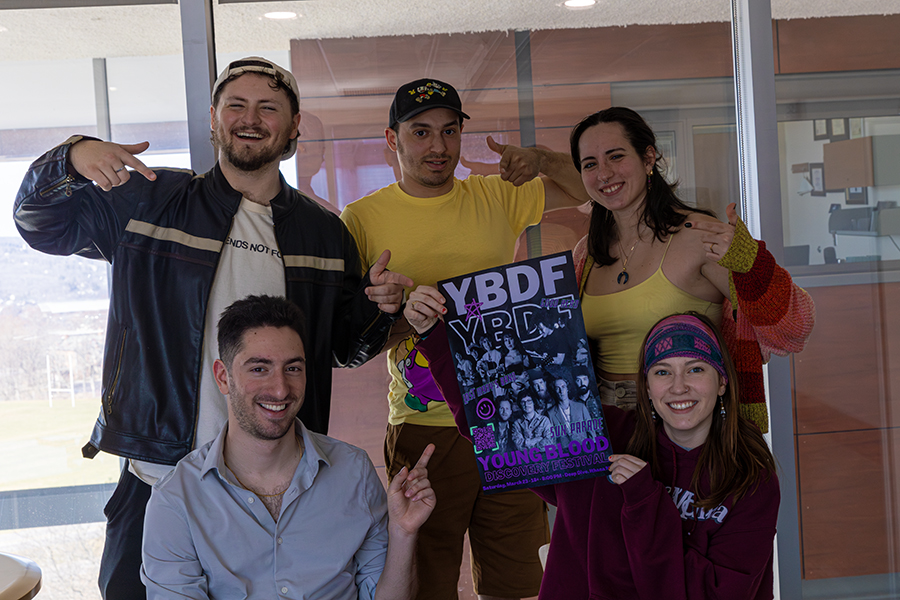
x: 683, y: 335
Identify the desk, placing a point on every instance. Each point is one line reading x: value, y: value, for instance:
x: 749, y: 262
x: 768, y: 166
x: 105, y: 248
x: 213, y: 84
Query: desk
x: 20, y: 578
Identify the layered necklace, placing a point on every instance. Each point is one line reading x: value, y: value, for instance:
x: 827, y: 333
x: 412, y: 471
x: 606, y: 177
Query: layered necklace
x: 623, y: 276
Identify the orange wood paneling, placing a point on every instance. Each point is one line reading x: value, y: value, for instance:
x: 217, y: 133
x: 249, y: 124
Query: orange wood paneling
x: 637, y: 53
x: 350, y: 83
x: 838, y: 44
x: 837, y: 375
x: 846, y: 504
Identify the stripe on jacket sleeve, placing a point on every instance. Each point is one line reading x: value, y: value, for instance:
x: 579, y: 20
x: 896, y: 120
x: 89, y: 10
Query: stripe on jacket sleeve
x: 314, y: 262
x: 168, y: 234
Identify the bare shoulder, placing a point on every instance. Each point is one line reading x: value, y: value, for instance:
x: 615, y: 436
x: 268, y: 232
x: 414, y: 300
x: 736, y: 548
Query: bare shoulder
x: 698, y: 216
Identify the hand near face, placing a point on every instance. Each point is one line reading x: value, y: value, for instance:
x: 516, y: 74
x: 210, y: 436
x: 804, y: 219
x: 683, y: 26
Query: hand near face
x: 424, y: 308
x: 410, y: 495
x: 517, y: 165
x: 624, y: 467
x: 714, y: 235
x: 104, y: 162
x: 387, y: 286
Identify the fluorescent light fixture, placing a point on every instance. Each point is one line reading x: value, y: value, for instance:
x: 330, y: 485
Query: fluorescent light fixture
x: 576, y: 4
x: 280, y: 15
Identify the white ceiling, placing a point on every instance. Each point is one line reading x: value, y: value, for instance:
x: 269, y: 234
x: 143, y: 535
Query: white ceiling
x: 115, y: 31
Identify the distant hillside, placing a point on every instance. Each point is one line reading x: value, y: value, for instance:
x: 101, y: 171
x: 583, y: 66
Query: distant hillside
x: 31, y: 277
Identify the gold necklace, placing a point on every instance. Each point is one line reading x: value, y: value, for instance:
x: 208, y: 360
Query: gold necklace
x: 622, y: 278
x: 249, y: 489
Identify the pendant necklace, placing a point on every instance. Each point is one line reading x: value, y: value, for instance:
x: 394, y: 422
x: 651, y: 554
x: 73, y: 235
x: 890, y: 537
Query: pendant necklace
x: 623, y: 276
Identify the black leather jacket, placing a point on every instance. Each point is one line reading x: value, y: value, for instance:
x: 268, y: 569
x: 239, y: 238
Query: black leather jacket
x: 163, y: 239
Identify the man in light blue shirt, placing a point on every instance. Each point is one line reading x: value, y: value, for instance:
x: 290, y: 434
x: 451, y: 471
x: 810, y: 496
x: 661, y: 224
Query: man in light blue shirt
x: 269, y: 509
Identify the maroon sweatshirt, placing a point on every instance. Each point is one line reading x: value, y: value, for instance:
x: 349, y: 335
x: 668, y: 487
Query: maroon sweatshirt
x: 643, y: 539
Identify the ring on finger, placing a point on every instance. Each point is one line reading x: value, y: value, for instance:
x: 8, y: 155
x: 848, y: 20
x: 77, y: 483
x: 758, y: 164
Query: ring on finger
x: 414, y: 302
x: 120, y: 169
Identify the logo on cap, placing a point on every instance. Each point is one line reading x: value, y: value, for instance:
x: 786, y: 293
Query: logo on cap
x: 425, y: 92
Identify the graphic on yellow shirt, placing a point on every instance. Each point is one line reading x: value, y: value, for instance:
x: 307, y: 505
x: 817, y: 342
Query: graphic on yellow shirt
x: 413, y: 367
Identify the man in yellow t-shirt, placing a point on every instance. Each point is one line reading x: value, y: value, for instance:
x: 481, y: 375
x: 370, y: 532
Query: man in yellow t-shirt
x: 439, y: 227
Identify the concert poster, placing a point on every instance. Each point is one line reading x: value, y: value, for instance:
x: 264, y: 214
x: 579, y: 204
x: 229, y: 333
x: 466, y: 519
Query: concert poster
x: 524, y: 369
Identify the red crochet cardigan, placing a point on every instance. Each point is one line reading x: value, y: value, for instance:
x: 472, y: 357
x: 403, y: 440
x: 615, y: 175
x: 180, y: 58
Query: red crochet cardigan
x: 773, y: 315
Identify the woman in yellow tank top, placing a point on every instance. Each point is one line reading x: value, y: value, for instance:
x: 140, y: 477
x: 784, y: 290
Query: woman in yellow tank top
x: 649, y: 255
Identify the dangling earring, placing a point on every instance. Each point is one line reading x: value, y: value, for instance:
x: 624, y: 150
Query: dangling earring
x: 649, y: 182
x: 722, y: 407
x: 653, y: 412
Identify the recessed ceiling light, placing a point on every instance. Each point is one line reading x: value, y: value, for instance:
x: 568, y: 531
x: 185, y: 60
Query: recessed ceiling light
x: 281, y: 15
x: 2, y: 29
x: 576, y: 4
x: 113, y: 89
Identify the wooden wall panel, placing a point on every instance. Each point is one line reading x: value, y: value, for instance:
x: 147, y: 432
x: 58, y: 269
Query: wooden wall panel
x: 837, y: 44
x: 637, y: 53
x: 837, y: 376
x: 350, y: 83
x: 846, y: 504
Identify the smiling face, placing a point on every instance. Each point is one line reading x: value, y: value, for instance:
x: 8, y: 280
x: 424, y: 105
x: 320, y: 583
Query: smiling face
x: 266, y: 382
x: 252, y: 123
x: 427, y: 147
x: 684, y: 392
x: 614, y: 173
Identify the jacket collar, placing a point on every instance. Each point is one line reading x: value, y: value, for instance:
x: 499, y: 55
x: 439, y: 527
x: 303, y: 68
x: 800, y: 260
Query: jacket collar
x: 222, y: 192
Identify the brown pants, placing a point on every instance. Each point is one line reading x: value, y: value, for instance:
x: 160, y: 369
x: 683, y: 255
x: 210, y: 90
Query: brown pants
x: 505, y: 529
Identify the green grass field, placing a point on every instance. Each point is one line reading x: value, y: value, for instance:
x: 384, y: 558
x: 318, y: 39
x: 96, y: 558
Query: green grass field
x: 40, y: 446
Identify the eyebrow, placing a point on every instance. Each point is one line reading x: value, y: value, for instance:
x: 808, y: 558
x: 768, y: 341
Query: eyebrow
x: 428, y: 126
x: 242, y: 99
x: 606, y: 152
x: 260, y: 360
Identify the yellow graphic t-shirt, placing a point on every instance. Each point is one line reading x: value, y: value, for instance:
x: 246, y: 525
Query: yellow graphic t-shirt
x: 473, y: 227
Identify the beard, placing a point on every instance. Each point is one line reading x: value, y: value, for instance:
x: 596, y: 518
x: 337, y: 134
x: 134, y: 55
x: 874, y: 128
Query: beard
x: 417, y: 169
x: 249, y: 159
x: 256, y: 427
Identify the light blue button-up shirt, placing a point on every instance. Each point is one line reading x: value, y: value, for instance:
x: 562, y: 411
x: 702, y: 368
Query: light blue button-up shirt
x: 205, y: 536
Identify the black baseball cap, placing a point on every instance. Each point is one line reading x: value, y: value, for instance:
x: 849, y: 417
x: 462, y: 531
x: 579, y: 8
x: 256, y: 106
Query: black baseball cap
x: 421, y: 95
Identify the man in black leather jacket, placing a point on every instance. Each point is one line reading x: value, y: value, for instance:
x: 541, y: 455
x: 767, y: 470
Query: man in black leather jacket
x: 181, y: 246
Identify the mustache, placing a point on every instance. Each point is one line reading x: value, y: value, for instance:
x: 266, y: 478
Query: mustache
x: 267, y: 399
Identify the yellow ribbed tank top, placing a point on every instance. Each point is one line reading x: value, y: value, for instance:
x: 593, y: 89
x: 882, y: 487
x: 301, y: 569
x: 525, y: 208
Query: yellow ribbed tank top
x: 619, y: 322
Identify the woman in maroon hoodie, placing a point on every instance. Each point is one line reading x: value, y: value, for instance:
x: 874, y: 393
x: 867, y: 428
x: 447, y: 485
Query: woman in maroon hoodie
x: 688, y: 510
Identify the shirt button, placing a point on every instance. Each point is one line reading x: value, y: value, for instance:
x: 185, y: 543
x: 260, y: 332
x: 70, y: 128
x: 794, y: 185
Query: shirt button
x: 280, y: 541
x: 251, y: 500
x: 284, y: 590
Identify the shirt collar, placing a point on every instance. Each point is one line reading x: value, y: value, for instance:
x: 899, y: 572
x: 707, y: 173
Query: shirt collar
x: 313, y: 455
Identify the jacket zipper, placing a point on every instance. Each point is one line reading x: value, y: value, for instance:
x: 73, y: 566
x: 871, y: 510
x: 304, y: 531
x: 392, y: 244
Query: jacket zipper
x: 54, y: 187
x: 115, y: 381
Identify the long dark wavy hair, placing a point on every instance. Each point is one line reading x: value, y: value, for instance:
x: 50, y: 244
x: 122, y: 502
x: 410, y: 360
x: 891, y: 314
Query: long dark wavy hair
x: 735, y: 454
x: 663, y: 211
